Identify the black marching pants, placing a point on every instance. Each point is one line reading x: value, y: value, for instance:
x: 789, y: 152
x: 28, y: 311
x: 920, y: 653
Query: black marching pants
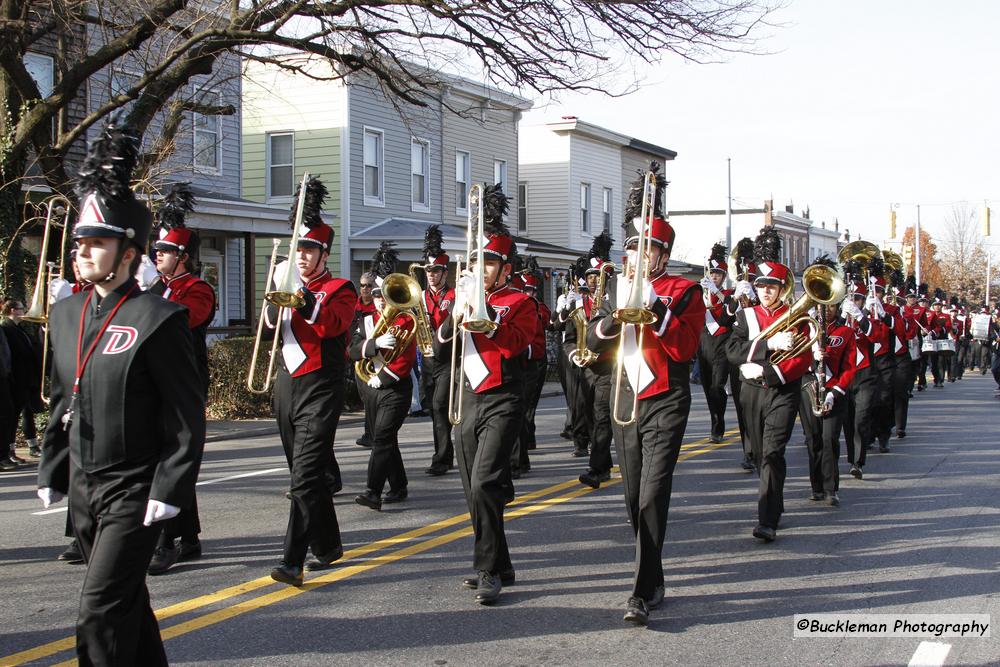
x: 885, y: 406
x: 770, y: 414
x: 823, y: 439
x: 389, y: 407
x: 363, y: 389
x: 534, y: 381
x: 116, y: 625
x: 920, y: 368
x: 735, y: 387
x: 491, y: 422
x: 600, y: 444
x: 563, y: 366
x: 647, y: 457
x: 583, y: 400
x: 947, y: 364
x: 902, y: 380
x: 714, y: 367
x: 859, y: 430
x: 308, y: 410
x: 436, y: 376
x: 960, y: 358
x: 934, y: 358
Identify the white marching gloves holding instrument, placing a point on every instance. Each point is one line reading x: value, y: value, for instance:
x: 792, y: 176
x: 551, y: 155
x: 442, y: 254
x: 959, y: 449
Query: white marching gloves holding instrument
x: 708, y: 285
x: 59, y: 289
x: 146, y: 274
x: 828, y: 401
x: 385, y: 341
x: 874, y: 306
x: 781, y: 341
x: 375, y: 382
x: 850, y: 309
x: 159, y: 511
x: 49, y: 496
x: 752, y: 371
x: 279, y: 275
x: 744, y: 288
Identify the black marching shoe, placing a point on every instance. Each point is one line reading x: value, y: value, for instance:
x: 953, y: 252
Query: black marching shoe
x: 883, y: 447
x: 363, y: 442
x: 817, y: 495
x: 593, y: 479
x: 7, y: 465
x: 856, y: 472
x: 163, y: 559
x: 717, y: 438
x: 437, y: 470
x: 287, y: 574
x: 488, y: 588
x: 396, y: 495
x: 747, y: 463
x: 636, y: 611
x: 515, y: 473
x: 766, y: 533
x: 369, y: 499
x: 565, y: 434
x: 833, y: 499
x: 580, y: 452
x: 188, y: 550
x: 507, y: 578
x: 72, y: 554
x: 323, y: 561
x: 900, y: 434
x: 657, y: 599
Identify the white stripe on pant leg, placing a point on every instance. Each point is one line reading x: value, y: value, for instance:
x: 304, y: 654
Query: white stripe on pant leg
x: 930, y: 654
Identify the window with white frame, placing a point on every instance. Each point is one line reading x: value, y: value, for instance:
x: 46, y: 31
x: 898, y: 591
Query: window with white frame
x: 280, y: 164
x: 522, y: 207
x: 585, y: 207
x: 500, y: 173
x: 420, y: 163
x: 463, y: 174
x: 207, y: 133
x: 606, y: 209
x: 43, y: 70
x: 374, y: 149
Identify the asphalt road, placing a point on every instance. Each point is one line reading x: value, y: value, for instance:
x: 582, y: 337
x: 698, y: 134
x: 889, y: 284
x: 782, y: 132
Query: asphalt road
x: 918, y: 535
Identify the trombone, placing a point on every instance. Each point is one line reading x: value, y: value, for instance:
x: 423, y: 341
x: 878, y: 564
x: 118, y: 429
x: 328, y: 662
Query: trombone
x: 476, y: 319
x: 285, y: 295
x: 634, y: 313
x: 55, y: 207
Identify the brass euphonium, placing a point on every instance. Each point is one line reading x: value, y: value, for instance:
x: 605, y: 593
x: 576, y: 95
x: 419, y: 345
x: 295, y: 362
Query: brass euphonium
x: 402, y: 296
x: 582, y: 356
x: 425, y: 340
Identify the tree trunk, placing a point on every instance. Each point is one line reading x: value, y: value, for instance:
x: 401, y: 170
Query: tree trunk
x: 15, y: 263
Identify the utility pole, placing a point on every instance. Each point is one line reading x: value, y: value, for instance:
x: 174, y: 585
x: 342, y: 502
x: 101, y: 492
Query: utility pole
x: 989, y: 271
x: 916, y: 244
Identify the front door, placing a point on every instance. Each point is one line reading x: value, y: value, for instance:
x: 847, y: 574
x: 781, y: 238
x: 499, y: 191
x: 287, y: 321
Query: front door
x: 211, y: 272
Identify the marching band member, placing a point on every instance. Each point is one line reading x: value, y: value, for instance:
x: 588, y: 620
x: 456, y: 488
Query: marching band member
x: 177, y: 262
x: 491, y: 405
x: 744, y: 295
x: 903, y: 331
x: 566, y: 344
x: 885, y: 357
x: 390, y: 387
x: 959, y: 333
x: 364, y: 307
x: 940, y: 328
x: 770, y: 392
x: 309, y: 389
x: 577, y: 391
x: 823, y: 431
x: 438, y: 299
x: 657, y: 380
x: 924, y: 318
x: 719, y: 316
x: 536, y: 364
x: 123, y: 360
x: 597, y: 376
x: 859, y: 429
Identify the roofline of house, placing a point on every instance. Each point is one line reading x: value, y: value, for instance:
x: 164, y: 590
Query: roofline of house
x: 572, y: 124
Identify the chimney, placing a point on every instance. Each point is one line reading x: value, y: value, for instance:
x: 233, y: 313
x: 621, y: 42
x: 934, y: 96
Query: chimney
x: 822, y: 224
x: 805, y: 214
x: 847, y: 234
x: 768, y: 207
x: 836, y: 225
x: 789, y: 208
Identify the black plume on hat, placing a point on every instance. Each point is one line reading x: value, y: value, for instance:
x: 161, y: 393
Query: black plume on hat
x: 718, y: 253
x: 110, y: 161
x: 953, y: 300
x: 896, y: 278
x: 852, y: 268
x: 531, y: 265
x: 312, y: 208
x: 582, y: 264
x: 911, y: 283
x: 876, y: 265
x: 744, y: 250
x: 939, y: 294
x: 432, y: 241
x: 177, y: 203
x: 825, y: 260
x: 767, y: 245
x: 923, y: 289
x: 633, y: 205
x: 384, y: 259
x: 495, y: 207
x: 601, y: 247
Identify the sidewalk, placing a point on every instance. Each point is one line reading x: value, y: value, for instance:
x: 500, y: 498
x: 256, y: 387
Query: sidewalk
x: 255, y: 428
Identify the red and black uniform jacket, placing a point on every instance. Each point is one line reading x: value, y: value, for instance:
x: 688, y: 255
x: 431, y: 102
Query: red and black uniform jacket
x: 198, y: 297
x: 363, y: 347
x: 942, y: 326
x: 744, y: 347
x: 315, y: 335
x: 903, y: 329
x: 880, y: 334
x: 840, y: 357
x: 536, y: 348
x: 669, y: 343
x: 497, y: 358
x: 438, y: 305
x: 719, y: 317
x: 864, y: 332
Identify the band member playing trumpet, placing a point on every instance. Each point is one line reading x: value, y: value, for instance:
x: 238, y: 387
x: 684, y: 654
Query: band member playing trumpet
x: 438, y: 299
x: 822, y: 409
x: 655, y: 323
x: 176, y: 261
x: 309, y: 390
x: 389, y: 349
x: 720, y: 312
x: 497, y: 324
x: 772, y: 371
x: 536, y: 364
x: 924, y: 318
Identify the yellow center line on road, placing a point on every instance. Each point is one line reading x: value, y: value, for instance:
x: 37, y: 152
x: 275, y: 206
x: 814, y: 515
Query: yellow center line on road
x: 515, y: 509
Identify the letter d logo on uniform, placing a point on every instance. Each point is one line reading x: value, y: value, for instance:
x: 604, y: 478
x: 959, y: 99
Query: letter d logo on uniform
x: 120, y: 339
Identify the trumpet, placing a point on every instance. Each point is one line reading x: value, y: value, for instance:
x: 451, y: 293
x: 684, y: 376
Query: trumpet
x: 425, y: 339
x: 477, y: 319
x: 634, y: 313
x: 402, y: 295
x: 285, y: 295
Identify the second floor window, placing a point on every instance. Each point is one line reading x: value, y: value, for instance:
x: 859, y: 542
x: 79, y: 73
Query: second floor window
x: 606, y: 209
x: 500, y: 173
x: 42, y: 70
x: 373, y: 157
x: 585, y: 207
x: 207, y: 134
x: 463, y: 169
x: 522, y: 207
x: 419, y: 181
x: 280, y: 151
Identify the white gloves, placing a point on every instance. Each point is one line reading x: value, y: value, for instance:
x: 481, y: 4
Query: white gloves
x: 374, y: 382
x: 146, y: 274
x: 463, y: 292
x: 649, y: 294
x: 159, y: 511
x: 571, y: 299
x: 59, y: 289
x: 385, y: 341
x: 783, y: 340
x: 708, y: 285
x: 279, y: 275
x: 561, y: 302
x: 874, y: 306
x: 752, y: 371
x: 850, y: 309
x: 744, y: 288
x: 49, y: 496
x: 828, y: 401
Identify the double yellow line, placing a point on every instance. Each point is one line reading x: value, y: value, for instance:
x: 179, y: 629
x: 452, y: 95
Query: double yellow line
x: 523, y: 505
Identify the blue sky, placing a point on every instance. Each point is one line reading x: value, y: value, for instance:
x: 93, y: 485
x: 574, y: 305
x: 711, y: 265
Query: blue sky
x: 859, y: 105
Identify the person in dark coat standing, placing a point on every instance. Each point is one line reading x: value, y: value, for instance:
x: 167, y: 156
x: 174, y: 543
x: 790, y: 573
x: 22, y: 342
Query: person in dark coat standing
x: 126, y: 432
x: 26, y: 377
